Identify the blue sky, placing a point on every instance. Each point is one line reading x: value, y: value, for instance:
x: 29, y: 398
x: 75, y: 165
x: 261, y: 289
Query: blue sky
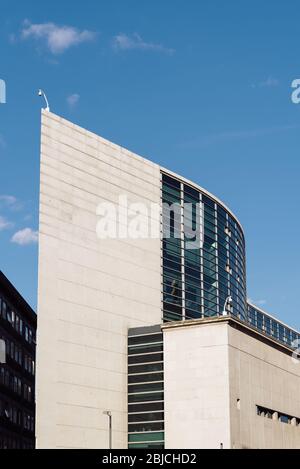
x: 201, y: 87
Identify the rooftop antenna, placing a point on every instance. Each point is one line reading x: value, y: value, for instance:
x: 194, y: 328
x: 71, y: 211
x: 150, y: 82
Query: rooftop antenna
x: 42, y: 93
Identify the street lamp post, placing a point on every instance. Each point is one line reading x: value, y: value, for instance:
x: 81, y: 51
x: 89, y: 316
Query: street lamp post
x: 108, y: 413
x: 228, y: 301
x: 42, y: 93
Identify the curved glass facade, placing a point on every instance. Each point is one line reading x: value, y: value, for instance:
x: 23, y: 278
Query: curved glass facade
x: 198, y: 278
x: 203, y: 255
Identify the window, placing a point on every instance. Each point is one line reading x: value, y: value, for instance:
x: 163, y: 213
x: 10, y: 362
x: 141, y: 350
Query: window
x: 144, y: 339
x: 157, y: 436
x: 146, y: 407
x: 145, y: 377
x: 145, y: 427
x: 27, y: 392
x: 29, y: 364
x: 145, y: 389
x: 28, y: 422
x: 284, y: 418
x: 4, y: 310
x: 145, y: 368
x: 9, y: 316
x: 149, y: 416
x: 145, y: 358
x: 276, y: 415
x: 147, y: 445
x: 18, y: 323
x: 137, y: 388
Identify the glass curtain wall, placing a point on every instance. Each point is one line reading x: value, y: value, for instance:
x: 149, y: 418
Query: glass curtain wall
x: 145, y: 388
x: 197, y: 280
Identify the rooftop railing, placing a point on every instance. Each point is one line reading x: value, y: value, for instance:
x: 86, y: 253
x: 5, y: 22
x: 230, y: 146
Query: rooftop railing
x: 256, y: 318
x: 271, y: 327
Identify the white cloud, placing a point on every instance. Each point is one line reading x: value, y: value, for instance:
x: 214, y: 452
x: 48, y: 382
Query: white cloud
x: 11, y: 202
x: 258, y: 302
x: 268, y: 83
x: 124, y: 42
x: 57, y: 38
x: 8, y: 199
x: 261, y: 302
x: 73, y: 99
x: 25, y: 236
x: 5, y: 224
x: 228, y: 136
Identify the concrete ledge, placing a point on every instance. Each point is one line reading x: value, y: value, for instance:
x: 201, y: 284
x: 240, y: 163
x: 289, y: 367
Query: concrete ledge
x: 233, y: 322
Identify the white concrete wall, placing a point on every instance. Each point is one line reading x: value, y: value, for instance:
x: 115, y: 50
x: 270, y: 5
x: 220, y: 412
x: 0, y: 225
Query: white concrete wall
x: 90, y: 290
x: 196, y: 374
x: 215, y: 376
x: 262, y: 375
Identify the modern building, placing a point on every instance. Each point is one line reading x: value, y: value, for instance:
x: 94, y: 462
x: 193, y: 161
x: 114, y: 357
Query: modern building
x: 151, y: 325
x: 17, y: 374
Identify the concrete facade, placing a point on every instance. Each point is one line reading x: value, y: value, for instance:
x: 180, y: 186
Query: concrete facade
x: 216, y: 373
x: 196, y: 373
x: 217, y: 370
x: 90, y: 290
x: 266, y: 375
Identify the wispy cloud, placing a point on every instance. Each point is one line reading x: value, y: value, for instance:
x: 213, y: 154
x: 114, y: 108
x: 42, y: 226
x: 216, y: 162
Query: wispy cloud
x: 237, y: 135
x: 25, y: 237
x: 270, y: 82
x: 8, y: 199
x: 134, y: 42
x: 11, y: 202
x: 258, y: 302
x: 73, y: 99
x: 57, y: 38
x: 5, y: 224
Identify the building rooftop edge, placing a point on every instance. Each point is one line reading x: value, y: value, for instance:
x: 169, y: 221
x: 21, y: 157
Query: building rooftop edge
x: 142, y: 158
x: 14, y: 293
x: 206, y: 192
x: 226, y: 319
x: 168, y: 172
x: 272, y: 317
